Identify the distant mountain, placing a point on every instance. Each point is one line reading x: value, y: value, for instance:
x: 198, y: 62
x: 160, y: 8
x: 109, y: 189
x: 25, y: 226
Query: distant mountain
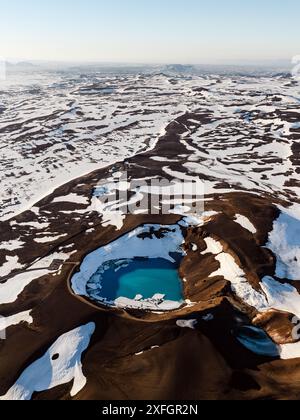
x: 21, y: 66
x: 179, y: 68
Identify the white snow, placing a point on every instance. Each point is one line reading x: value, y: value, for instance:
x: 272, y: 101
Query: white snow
x: 72, y: 198
x: 114, y: 207
x: 114, y: 219
x: 6, y: 322
x: 239, y: 283
x: 12, y: 245
x: 293, y: 211
x: 180, y: 210
x: 48, y: 239
x: 103, y: 133
x: 60, y: 365
x: 163, y: 159
x: 155, y: 303
x: 109, y: 215
x: 12, y: 263
x: 284, y: 242
x: 213, y: 246
x: 245, y: 223
x: 36, y: 225
x: 12, y: 288
x: 282, y: 297
x: 275, y: 295
x: 290, y: 351
x: 191, y: 323
x: 193, y: 220
x: 187, y: 189
x: 209, y: 214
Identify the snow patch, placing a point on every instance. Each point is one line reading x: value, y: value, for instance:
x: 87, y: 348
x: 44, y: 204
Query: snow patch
x: 12, y: 245
x: 191, y: 323
x: 213, y: 246
x: 48, y: 239
x: 72, y: 198
x: 12, y: 288
x: 245, y: 223
x: 10, y: 265
x: 290, y: 351
x: 60, y: 365
x: 282, y: 297
x: 156, y: 303
x: 239, y: 283
x: 6, y: 322
x: 284, y: 242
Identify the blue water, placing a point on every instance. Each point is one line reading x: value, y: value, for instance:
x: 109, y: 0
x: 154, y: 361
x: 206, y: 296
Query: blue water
x: 257, y: 341
x: 142, y: 276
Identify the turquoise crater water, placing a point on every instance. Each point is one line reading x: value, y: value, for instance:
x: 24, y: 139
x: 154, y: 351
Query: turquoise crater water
x: 139, y: 276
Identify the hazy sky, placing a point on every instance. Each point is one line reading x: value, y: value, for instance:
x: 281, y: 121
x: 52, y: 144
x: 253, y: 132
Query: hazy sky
x: 187, y: 31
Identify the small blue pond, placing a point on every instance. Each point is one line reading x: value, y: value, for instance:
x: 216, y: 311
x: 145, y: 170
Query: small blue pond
x: 257, y: 341
x: 139, y: 276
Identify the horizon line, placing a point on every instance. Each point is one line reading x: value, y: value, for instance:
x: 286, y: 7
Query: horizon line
x: 241, y: 62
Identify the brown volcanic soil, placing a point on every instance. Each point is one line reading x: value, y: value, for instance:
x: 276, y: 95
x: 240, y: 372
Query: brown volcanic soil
x: 205, y: 363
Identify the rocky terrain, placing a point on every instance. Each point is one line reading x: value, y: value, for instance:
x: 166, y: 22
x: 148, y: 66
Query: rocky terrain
x: 67, y: 142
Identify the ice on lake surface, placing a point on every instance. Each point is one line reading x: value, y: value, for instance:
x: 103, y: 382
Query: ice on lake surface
x: 142, y: 277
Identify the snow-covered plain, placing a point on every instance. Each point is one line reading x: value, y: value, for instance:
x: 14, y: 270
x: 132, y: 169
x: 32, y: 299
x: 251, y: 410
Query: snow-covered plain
x: 55, y: 129
x: 58, y: 126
